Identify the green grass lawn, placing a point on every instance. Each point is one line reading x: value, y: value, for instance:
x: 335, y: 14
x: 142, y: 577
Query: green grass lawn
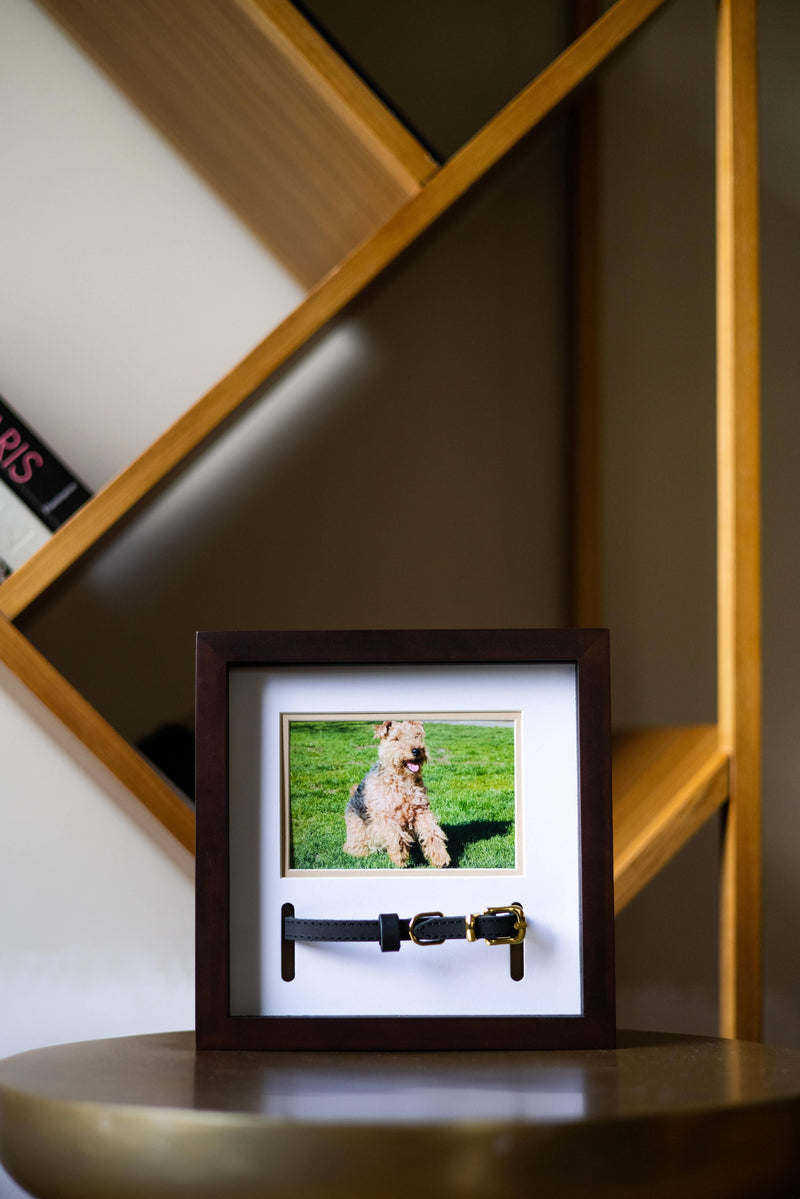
x: 469, y: 778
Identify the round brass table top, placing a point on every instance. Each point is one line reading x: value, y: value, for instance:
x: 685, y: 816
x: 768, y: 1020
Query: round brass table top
x: 148, y: 1116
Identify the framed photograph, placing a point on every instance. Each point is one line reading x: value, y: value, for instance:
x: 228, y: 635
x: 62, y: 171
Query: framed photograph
x: 404, y: 840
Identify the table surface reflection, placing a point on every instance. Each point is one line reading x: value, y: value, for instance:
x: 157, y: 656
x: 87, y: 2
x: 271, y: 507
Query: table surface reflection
x: 148, y: 1115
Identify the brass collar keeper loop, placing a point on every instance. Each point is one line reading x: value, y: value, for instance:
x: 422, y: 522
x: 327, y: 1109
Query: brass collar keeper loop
x: 412, y: 930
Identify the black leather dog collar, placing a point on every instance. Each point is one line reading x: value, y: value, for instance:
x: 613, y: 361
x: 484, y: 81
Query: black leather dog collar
x: 497, y: 926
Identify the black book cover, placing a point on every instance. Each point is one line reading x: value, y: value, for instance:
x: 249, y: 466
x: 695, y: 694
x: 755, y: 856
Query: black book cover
x: 35, y: 474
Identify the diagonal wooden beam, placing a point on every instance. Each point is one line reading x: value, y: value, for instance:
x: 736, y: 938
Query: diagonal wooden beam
x: 78, y: 715
x: 327, y: 300
x: 667, y: 783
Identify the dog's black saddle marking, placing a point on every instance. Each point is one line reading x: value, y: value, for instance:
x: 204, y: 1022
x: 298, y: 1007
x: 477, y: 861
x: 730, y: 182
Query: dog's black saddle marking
x: 356, y: 803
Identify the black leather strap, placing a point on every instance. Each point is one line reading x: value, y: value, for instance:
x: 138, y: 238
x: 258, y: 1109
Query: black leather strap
x: 389, y: 929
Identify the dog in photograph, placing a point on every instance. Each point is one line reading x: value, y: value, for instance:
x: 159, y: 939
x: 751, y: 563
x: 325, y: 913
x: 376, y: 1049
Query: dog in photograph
x: 389, y: 809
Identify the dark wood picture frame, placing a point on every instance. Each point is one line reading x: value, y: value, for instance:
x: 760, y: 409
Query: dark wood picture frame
x: 220, y: 652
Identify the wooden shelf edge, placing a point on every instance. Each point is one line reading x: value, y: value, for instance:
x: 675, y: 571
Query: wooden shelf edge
x: 392, y: 141
x: 324, y: 302
x: 667, y: 783
x: 81, y: 719
x: 283, y: 130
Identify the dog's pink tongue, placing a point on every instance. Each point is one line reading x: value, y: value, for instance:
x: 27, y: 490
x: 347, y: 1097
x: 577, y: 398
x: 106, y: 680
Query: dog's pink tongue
x: 413, y: 766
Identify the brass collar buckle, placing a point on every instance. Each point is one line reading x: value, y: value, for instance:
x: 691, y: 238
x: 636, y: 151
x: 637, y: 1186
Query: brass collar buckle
x: 520, y: 925
x: 413, y: 934
x: 449, y: 928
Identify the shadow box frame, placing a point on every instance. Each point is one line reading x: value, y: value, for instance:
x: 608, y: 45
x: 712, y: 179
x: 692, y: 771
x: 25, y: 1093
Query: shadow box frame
x: 221, y: 655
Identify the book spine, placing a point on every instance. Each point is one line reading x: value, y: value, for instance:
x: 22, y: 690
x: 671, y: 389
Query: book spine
x: 21, y: 532
x: 31, y: 470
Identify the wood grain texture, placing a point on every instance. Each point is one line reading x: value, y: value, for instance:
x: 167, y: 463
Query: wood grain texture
x: 313, y: 55
x: 739, y: 513
x: 523, y: 113
x: 78, y: 715
x: 264, y: 110
x: 667, y: 783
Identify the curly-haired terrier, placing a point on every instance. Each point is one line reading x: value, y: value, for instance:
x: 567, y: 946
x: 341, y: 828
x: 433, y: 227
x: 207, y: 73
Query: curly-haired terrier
x: 389, y: 808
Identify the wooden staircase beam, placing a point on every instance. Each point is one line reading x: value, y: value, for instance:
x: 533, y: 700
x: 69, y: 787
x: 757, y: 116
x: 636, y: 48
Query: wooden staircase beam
x: 739, y: 514
x: 174, y: 812
x: 666, y: 783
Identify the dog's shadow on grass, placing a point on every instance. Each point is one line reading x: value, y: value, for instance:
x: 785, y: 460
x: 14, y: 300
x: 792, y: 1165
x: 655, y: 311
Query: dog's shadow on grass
x: 461, y: 836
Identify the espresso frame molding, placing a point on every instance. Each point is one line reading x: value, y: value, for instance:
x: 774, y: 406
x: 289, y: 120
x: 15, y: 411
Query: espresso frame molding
x: 220, y: 653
